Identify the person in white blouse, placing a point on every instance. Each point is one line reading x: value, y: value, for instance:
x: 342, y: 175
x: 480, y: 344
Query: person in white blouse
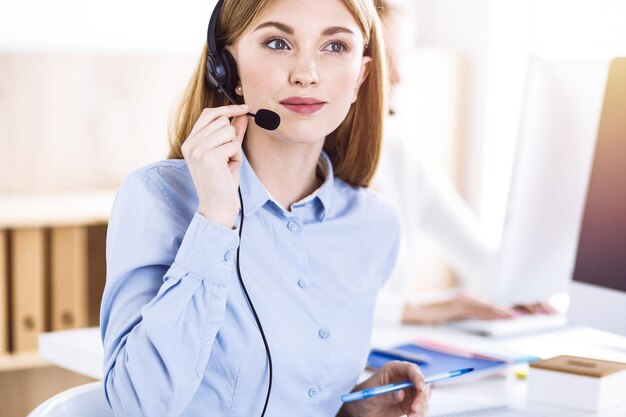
x: 429, y: 204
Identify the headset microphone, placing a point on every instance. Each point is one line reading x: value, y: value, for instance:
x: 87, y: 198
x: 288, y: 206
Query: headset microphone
x: 221, y: 73
x: 264, y: 118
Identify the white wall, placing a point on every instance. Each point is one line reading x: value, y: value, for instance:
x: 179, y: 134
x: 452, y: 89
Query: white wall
x: 463, y: 26
x: 143, y: 26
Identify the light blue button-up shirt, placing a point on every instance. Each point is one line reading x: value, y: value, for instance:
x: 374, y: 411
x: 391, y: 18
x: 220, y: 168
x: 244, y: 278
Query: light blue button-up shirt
x: 179, y: 336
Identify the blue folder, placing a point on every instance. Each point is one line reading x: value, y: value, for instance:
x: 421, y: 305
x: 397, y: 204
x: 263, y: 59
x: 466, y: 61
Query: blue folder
x: 438, y: 362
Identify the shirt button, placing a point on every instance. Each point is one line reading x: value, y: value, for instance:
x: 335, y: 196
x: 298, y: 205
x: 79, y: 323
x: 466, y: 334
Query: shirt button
x: 313, y: 392
x: 302, y: 283
x: 293, y: 226
x: 228, y: 256
x: 324, y: 333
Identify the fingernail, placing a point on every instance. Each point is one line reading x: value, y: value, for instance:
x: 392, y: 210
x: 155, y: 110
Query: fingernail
x: 244, y: 106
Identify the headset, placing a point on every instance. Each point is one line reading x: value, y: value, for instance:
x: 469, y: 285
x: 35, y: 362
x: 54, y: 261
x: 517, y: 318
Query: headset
x: 221, y: 73
x: 221, y: 68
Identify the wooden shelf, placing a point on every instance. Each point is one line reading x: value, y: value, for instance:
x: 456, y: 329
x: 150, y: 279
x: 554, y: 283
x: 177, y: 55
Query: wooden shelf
x: 52, y: 268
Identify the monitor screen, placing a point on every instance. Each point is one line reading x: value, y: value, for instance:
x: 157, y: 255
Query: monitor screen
x: 598, y: 290
x: 601, y: 254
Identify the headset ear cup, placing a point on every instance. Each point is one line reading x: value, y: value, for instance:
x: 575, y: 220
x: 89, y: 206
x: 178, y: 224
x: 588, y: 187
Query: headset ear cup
x: 231, y: 76
x: 221, y: 72
x: 215, y: 71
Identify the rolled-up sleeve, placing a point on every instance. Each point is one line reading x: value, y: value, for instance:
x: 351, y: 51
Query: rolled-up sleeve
x: 164, y: 300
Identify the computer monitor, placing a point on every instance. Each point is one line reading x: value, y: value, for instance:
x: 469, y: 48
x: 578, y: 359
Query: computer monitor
x: 553, y: 158
x: 598, y: 291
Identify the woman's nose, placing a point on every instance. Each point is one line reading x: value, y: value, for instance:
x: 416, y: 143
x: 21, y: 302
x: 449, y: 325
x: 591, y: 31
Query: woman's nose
x: 304, y: 73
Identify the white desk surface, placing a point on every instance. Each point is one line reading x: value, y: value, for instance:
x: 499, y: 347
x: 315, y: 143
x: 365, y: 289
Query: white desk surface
x: 81, y: 351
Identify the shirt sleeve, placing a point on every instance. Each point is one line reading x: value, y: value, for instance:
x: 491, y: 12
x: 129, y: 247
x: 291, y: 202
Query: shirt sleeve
x: 450, y: 222
x: 164, y: 300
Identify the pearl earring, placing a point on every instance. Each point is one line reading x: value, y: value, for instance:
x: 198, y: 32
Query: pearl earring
x: 239, y: 90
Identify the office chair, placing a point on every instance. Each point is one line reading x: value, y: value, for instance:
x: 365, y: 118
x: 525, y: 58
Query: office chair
x: 84, y: 400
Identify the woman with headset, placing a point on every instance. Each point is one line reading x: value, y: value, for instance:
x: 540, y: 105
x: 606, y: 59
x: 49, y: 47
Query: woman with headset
x: 242, y: 272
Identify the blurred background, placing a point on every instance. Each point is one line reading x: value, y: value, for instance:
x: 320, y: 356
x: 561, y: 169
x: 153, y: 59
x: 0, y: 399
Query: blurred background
x: 87, y: 89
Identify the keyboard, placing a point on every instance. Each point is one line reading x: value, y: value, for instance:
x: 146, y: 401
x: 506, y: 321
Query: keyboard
x: 531, y: 323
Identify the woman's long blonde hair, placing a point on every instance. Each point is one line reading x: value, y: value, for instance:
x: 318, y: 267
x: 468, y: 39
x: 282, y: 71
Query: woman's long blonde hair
x: 354, y: 147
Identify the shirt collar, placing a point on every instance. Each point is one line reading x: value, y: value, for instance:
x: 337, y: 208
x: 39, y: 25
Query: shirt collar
x: 255, y: 195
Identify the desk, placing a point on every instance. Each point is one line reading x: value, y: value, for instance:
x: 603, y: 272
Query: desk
x: 81, y: 351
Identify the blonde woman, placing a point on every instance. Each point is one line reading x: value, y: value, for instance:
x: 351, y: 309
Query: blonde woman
x: 203, y: 316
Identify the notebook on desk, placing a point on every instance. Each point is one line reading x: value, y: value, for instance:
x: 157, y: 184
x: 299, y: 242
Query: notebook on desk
x: 435, y: 359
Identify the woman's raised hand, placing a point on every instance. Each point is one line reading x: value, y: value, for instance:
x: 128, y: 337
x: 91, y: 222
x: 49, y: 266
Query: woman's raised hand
x: 213, y: 154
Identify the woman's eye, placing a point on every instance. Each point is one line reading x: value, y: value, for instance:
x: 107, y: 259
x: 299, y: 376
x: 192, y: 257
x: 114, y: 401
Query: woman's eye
x: 336, y: 47
x: 277, y: 44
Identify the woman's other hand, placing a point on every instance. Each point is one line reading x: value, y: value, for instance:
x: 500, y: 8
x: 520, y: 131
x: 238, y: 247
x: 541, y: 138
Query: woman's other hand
x: 213, y: 154
x: 412, y: 402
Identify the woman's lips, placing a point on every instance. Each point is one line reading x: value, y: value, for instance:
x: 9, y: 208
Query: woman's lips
x: 303, y: 105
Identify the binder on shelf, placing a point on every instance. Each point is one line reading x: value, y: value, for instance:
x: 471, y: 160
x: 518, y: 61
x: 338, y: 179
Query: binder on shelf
x: 96, y: 270
x: 439, y: 360
x: 69, y: 277
x: 28, y: 287
x: 4, y: 296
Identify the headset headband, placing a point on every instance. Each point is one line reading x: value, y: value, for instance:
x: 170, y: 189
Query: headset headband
x: 212, y: 30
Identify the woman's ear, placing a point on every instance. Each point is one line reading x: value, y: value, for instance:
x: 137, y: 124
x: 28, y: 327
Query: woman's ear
x: 363, y: 73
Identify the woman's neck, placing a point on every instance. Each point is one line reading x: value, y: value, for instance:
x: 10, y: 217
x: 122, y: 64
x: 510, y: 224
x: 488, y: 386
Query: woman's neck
x: 286, y: 170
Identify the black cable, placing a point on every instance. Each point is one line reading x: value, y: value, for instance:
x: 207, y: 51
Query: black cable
x: 256, y: 317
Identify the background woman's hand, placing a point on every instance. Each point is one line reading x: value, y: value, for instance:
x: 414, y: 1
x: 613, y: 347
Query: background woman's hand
x: 412, y: 402
x: 213, y: 154
x: 460, y: 307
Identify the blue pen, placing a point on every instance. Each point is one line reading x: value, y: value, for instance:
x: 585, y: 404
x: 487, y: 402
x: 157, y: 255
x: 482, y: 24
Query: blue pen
x: 383, y: 389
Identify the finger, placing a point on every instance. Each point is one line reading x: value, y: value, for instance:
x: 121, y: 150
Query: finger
x: 228, y: 152
x: 391, y: 397
x: 487, y: 310
x: 486, y: 313
x: 214, y: 126
x: 210, y: 114
x: 401, y: 370
x: 397, y: 396
x: 224, y: 135
x: 198, y: 147
x: 542, y: 308
x: 397, y: 371
x: 419, y: 403
x: 548, y: 308
x: 429, y: 391
x: 240, y: 123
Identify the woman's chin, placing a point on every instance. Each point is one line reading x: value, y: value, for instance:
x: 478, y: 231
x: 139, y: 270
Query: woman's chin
x: 302, y: 133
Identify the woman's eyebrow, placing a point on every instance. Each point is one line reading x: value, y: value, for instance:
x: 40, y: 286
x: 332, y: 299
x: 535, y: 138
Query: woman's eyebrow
x: 280, y: 26
x: 329, y: 31
x: 333, y: 30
